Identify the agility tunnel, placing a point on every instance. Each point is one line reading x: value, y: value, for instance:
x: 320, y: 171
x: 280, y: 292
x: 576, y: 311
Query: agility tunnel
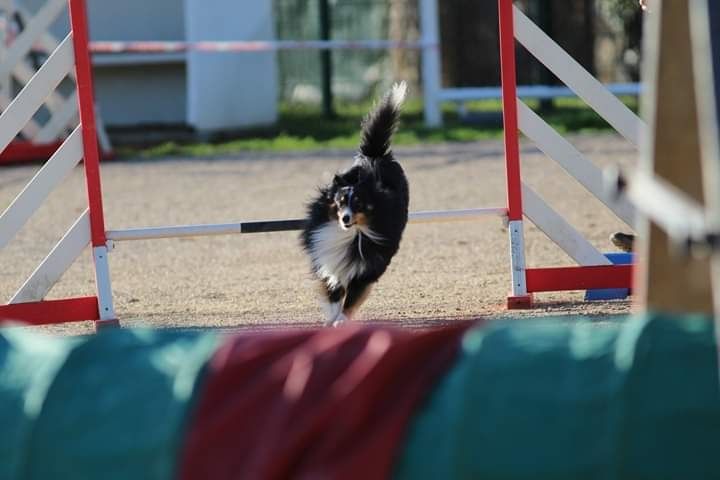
x: 556, y: 399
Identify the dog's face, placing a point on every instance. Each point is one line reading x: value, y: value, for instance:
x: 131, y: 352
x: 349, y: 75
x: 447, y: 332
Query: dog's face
x: 352, y: 204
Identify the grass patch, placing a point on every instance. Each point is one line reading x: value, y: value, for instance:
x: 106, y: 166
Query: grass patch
x: 304, y: 128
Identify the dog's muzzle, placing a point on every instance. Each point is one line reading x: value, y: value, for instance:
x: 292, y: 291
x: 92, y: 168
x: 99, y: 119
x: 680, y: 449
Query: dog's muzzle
x: 345, y: 218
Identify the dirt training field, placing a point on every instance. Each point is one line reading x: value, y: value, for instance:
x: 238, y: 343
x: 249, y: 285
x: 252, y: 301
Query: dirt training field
x: 444, y: 271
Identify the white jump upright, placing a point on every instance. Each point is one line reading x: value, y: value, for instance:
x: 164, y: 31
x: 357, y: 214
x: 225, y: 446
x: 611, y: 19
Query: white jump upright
x: 28, y: 304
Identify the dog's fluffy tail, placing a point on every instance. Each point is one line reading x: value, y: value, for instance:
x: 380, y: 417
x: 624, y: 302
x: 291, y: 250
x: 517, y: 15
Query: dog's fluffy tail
x: 380, y: 124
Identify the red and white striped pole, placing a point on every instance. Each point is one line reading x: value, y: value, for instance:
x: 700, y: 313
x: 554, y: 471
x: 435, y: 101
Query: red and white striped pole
x: 91, y: 159
x: 109, y: 47
x: 519, y: 297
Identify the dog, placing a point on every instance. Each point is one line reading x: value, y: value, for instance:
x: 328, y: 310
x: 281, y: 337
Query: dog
x: 354, y: 225
x: 623, y: 241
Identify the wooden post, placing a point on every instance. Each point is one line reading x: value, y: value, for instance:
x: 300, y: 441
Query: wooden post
x: 430, y: 62
x: 705, y: 30
x: 666, y: 281
x: 326, y: 61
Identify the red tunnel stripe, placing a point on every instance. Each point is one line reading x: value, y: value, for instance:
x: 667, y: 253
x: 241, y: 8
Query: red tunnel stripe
x: 329, y: 403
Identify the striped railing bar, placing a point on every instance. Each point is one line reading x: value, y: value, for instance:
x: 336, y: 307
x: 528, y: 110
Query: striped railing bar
x: 32, y: 96
x: 571, y: 160
x: 46, y: 41
x: 577, y: 78
x: 37, y: 190
x: 62, y: 256
x: 55, y: 102
x: 61, y: 118
x: 113, y: 47
x: 58, y: 106
x: 24, y: 42
x: 31, y: 128
x: 23, y: 73
x: 559, y: 230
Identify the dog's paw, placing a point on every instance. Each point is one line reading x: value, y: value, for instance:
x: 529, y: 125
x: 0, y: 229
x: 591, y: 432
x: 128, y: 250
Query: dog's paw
x: 337, y: 321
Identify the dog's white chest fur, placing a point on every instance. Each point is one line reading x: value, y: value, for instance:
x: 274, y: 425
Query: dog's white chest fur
x: 331, y: 254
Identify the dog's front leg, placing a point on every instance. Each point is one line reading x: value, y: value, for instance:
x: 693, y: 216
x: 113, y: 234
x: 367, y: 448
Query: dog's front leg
x: 357, y: 293
x: 333, y: 304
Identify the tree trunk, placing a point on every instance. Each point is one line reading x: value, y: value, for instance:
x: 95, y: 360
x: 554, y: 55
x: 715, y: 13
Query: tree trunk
x: 469, y: 37
x: 469, y: 42
x: 404, y: 26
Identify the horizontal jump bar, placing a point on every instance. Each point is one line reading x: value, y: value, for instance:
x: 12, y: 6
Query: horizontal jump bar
x: 265, y: 226
x: 253, y: 46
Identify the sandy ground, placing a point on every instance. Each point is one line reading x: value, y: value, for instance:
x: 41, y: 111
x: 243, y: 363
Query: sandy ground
x: 443, y: 272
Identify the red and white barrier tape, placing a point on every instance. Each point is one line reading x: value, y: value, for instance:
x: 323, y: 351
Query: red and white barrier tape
x: 253, y: 46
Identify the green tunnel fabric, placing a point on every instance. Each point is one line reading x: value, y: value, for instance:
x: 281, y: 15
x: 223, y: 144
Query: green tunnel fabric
x: 563, y: 399
x: 114, y: 406
x: 541, y: 399
x: 28, y: 365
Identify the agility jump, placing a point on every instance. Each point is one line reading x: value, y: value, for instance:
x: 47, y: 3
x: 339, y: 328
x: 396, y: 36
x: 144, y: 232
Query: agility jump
x: 595, y: 272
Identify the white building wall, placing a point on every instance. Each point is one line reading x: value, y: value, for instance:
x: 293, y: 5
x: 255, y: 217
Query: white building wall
x: 207, y: 91
x: 224, y: 89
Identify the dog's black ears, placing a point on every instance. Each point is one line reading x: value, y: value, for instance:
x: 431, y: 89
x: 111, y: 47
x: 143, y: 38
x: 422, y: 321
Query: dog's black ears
x: 339, y: 181
x: 366, y: 177
x: 328, y: 195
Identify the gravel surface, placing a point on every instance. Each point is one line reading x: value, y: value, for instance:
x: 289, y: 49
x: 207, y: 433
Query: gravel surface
x: 443, y: 272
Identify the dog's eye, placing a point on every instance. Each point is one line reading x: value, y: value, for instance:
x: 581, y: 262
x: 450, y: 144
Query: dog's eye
x: 370, y: 206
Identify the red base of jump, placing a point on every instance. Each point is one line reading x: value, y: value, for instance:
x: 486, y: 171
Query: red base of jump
x: 558, y: 279
x: 521, y: 302
x: 51, y: 311
x: 22, y: 151
x: 28, y: 152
